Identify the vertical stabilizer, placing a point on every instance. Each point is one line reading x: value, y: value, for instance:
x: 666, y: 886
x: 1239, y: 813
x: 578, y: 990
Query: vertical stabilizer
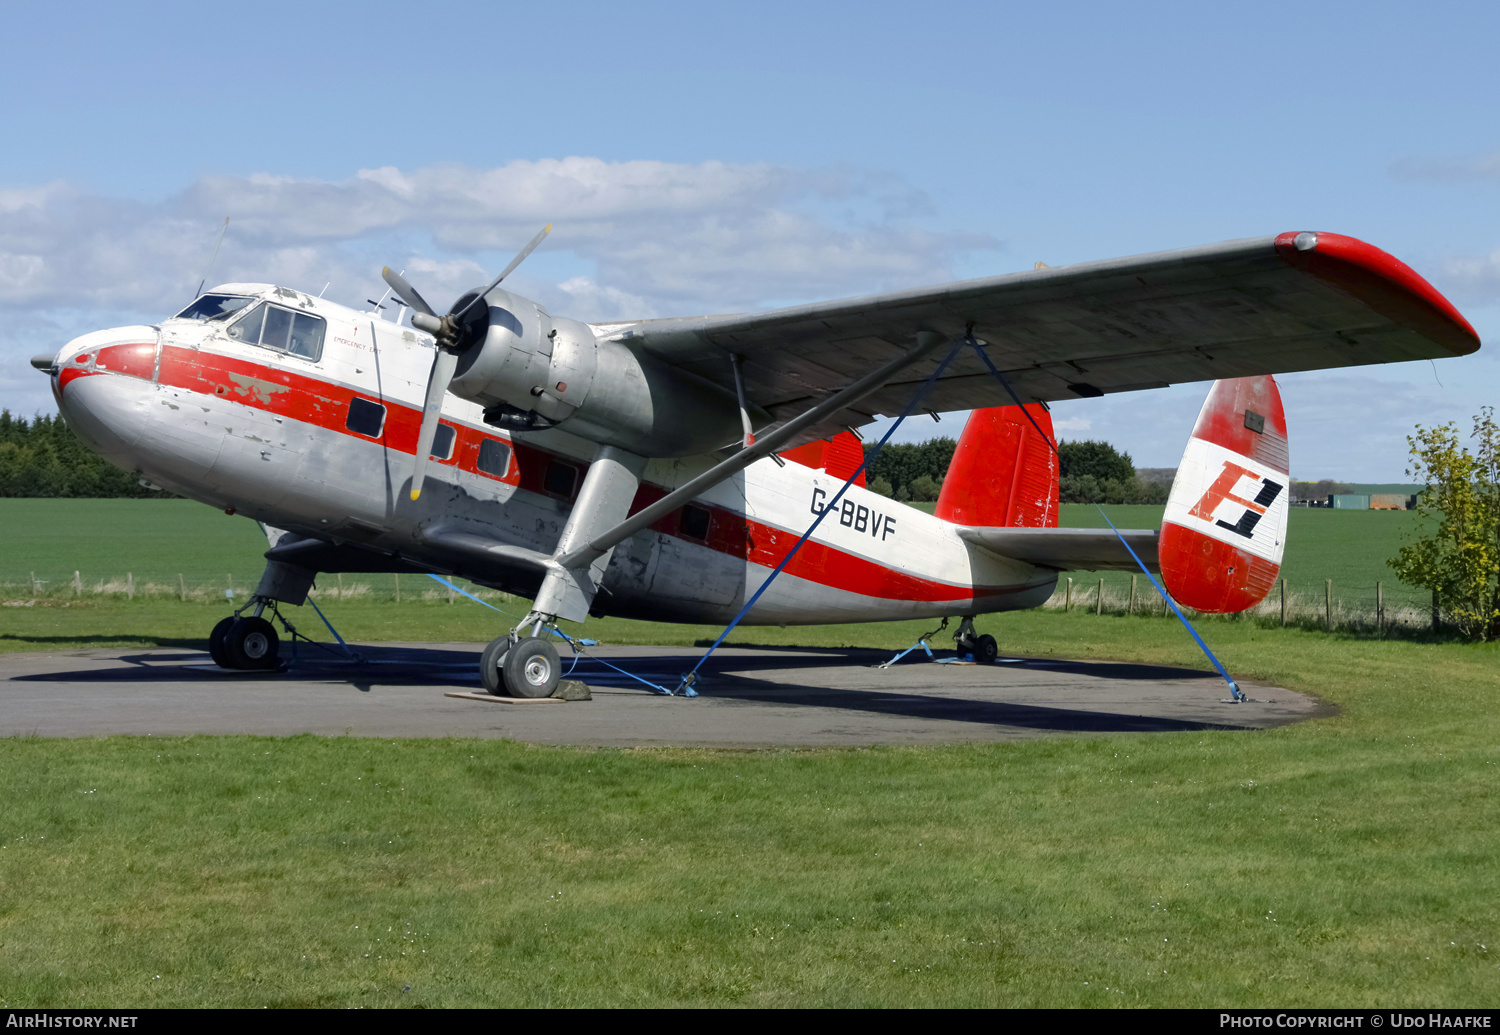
x: 1004, y: 473
x: 1225, y: 525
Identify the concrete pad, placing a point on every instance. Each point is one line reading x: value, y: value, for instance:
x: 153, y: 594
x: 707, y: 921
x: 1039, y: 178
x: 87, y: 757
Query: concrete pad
x: 750, y: 697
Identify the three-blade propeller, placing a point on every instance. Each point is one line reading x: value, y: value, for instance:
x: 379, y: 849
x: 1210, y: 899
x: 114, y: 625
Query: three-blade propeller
x: 451, y: 334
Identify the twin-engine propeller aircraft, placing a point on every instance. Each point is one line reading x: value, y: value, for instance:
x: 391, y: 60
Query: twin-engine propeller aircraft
x: 640, y: 468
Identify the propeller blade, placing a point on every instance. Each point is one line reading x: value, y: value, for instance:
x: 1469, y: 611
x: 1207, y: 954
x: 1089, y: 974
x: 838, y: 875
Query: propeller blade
x: 520, y: 257
x: 407, y: 293
x: 443, y: 365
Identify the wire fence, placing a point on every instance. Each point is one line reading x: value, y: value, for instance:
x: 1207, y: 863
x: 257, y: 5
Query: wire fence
x: 34, y: 587
x: 1381, y: 607
x: 1309, y: 604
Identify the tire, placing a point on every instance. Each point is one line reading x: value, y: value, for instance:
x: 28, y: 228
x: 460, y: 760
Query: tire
x: 251, y: 643
x: 491, y: 662
x: 216, y: 643
x: 532, y: 668
x: 986, y: 650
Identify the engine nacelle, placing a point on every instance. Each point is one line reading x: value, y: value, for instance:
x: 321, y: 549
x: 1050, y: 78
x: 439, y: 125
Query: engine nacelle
x: 532, y: 370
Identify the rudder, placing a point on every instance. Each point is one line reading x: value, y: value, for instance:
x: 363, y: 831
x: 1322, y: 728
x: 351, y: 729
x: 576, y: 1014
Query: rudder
x: 1003, y: 473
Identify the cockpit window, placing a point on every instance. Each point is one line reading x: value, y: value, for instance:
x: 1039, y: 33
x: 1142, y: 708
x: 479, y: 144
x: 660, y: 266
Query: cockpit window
x: 273, y: 327
x: 214, y: 307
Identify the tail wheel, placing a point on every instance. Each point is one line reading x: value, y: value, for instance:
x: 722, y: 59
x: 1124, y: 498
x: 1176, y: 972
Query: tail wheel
x: 491, y: 667
x: 986, y: 650
x: 531, y: 668
x: 216, y: 643
x: 251, y: 643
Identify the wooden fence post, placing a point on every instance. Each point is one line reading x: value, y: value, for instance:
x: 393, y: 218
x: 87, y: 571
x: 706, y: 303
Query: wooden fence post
x: 1380, y: 607
x: 398, y: 587
x: 1283, y: 603
x: 129, y: 586
x: 1131, y: 608
x: 33, y: 583
x: 181, y: 588
x: 1434, y: 611
x: 1328, y: 604
x: 77, y: 584
x: 341, y: 585
x: 1067, y: 597
x: 1099, y: 603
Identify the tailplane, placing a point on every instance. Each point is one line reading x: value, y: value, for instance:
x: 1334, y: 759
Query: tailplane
x: 1224, y: 528
x: 1004, y: 471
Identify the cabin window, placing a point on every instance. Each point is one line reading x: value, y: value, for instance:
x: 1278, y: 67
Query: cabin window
x: 442, y: 443
x: 494, y: 457
x: 695, y: 522
x: 365, y: 417
x: 560, y: 479
x: 273, y: 327
x: 214, y: 307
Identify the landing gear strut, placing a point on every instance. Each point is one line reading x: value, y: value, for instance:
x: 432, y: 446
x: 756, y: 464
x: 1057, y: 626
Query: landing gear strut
x: 982, y: 649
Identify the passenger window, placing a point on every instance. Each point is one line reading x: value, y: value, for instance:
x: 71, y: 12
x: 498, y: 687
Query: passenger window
x: 494, y: 457
x: 272, y: 327
x: 365, y: 417
x: 560, y: 479
x: 695, y: 522
x: 442, y: 443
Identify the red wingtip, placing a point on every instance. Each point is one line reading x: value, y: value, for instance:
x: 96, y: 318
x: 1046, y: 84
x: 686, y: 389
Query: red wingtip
x: 1382, y: 282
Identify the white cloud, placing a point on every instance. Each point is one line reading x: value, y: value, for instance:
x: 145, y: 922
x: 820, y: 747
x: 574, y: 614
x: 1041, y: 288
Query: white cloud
x: 711, y: 236
x: 630, y: 239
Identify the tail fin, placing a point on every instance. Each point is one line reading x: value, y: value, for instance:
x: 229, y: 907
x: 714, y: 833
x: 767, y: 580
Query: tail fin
x: 1225, y: 525
x: 840, y: 456
x: 1003, y: 472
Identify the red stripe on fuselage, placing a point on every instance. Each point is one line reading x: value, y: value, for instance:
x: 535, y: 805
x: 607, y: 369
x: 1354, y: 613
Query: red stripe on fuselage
x: 325, y: 404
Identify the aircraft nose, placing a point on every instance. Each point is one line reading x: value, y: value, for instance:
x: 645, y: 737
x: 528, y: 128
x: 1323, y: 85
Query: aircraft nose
x: 103, y: 385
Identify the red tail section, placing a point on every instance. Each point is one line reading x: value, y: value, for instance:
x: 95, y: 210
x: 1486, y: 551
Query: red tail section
x: 1225, y: 525
x: 1003, y: 472
x: 840, y: 456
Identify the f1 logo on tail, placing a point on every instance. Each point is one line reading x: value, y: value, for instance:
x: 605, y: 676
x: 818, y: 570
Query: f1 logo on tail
x: 1223, y: 489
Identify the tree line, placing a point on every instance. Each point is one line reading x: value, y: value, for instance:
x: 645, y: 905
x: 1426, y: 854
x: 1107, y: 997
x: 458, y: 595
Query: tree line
x: 1092, y: 472
x: 43, y: 457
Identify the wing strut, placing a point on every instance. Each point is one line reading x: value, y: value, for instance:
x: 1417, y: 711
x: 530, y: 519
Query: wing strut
x: 766, y: 444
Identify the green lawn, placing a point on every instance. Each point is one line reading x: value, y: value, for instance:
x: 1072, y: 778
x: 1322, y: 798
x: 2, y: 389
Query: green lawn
x: 1346, y: 861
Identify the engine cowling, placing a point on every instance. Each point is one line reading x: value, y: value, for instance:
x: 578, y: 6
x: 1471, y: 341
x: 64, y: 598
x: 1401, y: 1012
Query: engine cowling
x: 531, y: 370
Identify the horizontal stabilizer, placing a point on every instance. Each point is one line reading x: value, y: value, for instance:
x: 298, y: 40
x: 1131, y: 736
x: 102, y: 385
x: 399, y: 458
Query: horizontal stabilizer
x: 1069, y: 549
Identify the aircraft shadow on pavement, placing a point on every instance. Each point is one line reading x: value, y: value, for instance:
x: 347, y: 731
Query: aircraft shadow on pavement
x: 750, y: 679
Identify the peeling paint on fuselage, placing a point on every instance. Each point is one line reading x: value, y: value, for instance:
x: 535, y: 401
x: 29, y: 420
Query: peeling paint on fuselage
x: 273, y: 444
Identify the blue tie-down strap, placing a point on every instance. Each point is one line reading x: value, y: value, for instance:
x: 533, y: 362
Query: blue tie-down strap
x: 685, y: 687
x: 1234, y: 688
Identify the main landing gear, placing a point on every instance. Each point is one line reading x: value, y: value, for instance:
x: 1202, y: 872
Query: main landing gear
x: 517, y: 666
x: 247, y: 642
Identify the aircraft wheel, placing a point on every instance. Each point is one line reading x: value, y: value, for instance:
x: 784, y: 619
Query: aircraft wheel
x: 986, y: 650
x: 251, y: 643
x: 532, y: 668
x: 491, y: 664
x: 216, y: 643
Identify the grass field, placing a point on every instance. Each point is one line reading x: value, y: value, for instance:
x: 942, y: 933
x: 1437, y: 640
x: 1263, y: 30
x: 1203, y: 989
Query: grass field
x: 1346, y: 861
x: 165, y: 547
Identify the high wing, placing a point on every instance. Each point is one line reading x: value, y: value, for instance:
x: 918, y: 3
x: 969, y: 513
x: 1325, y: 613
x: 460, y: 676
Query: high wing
x: 1069, y: 549
x: 1296, y: 301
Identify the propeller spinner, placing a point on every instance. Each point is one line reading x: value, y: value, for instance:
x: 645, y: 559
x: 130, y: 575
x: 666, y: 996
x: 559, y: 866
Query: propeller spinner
x: 452, y: 335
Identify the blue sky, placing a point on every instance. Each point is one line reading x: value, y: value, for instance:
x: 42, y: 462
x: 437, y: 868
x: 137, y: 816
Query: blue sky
x: 703, y: 158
